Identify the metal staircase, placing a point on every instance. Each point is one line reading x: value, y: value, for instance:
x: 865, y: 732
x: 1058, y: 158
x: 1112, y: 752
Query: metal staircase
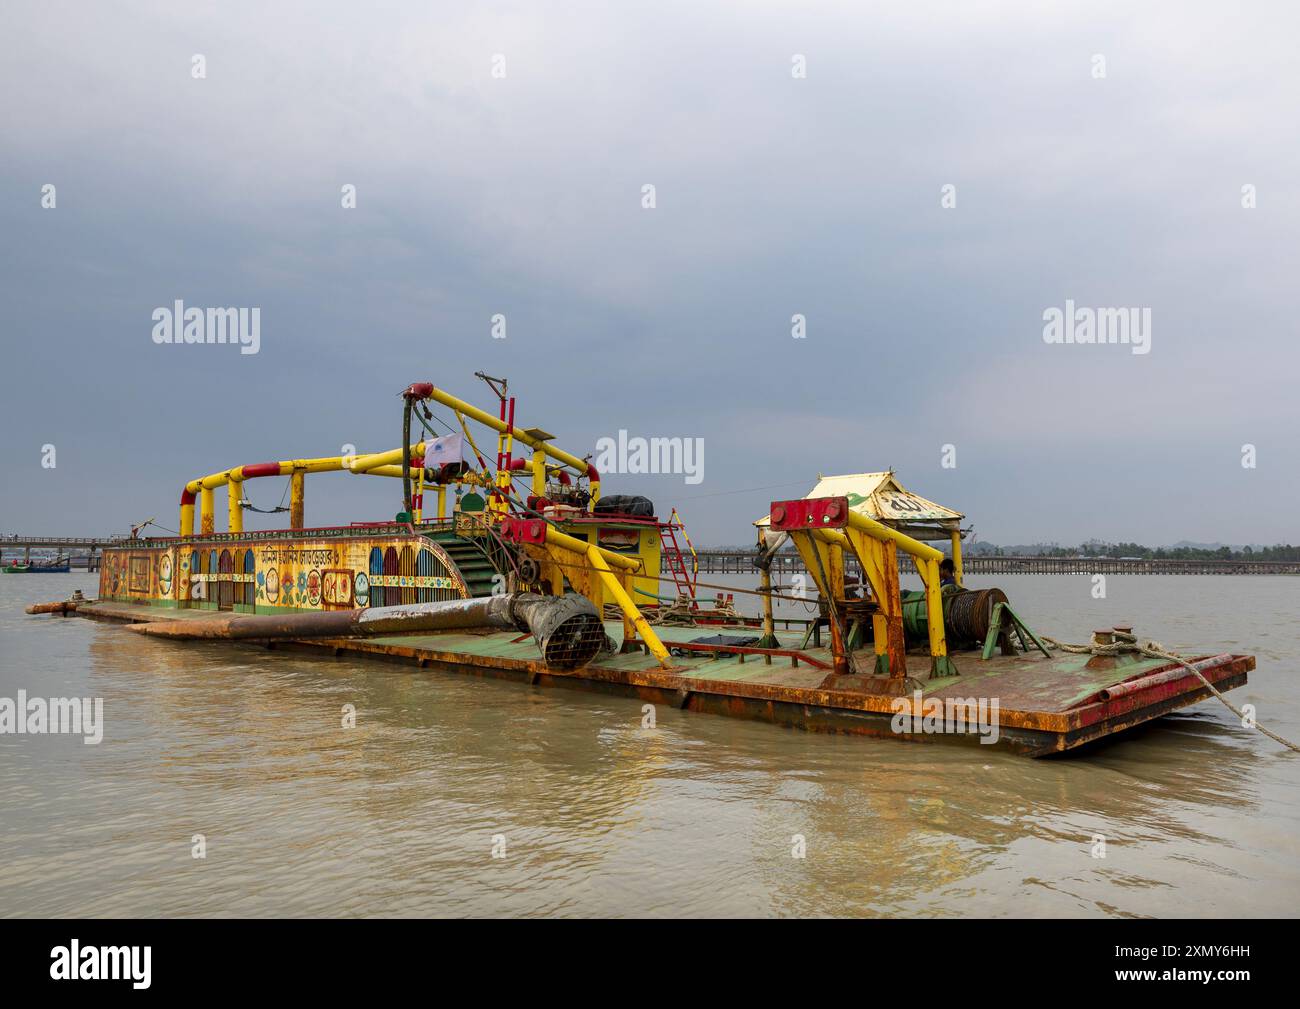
x: 471, y: 560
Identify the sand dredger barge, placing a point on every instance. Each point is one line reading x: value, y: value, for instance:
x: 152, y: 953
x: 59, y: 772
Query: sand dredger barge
x: 519, y: 569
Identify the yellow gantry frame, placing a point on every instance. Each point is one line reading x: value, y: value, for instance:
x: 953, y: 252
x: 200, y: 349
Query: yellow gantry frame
x: 379, y: 464
x: 542, y: 448
x: 231, y: 479
x: 876, y: 547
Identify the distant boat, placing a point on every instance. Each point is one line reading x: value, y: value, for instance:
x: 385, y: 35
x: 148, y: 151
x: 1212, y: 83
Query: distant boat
x: 60, y: 565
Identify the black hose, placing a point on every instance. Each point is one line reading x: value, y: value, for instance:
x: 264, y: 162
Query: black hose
x: 406, y: 457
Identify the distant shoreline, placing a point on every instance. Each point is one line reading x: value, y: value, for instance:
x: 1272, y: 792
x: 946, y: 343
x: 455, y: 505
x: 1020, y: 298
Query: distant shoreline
x: 738, y: 561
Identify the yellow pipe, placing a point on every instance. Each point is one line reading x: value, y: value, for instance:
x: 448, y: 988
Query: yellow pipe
x: 297, y: 498
x: 956, y: 555
x: 470, y: 479
x: 236, y: 475
x: 559, y: 539
x: 324, y: 464
x: 929, y: 572
x: 286, y: 467
x: 365, y: 463
x: 442, y: 500
x: 908, y: 545
x: 234, y: 512
x: 227, y: 477
x: 207, y: 512
x: 187, y: 519
x: 831, y: 537
x: 538, y: 465
x: 769, y: 621
x: 628, y: 607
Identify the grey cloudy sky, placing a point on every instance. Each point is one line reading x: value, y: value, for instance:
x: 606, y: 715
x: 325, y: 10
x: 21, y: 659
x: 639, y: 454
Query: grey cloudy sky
x: 776, y: 196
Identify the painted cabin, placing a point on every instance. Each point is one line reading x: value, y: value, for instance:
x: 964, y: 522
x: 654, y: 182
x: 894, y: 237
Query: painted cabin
x: 343, y: 567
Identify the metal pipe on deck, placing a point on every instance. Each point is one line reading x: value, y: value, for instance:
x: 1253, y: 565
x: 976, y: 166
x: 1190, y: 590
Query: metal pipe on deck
x: 1157, y: 678
x: 568, y: 629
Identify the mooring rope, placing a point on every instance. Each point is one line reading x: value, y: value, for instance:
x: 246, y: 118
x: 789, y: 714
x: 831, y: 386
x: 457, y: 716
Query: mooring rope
x: 1128, y: 643
x: 679, y: 614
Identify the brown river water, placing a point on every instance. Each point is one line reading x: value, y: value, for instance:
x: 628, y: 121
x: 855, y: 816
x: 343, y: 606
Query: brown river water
x: 595, y: 815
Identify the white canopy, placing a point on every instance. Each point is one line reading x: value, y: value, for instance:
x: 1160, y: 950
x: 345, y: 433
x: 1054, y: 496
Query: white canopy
x: 879, y: 496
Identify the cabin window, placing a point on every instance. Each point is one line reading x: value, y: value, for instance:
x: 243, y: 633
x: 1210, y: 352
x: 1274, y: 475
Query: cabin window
x: 226, y: 585
x: 246, y: 590
x: 376, y: 577
x: 406, y: 570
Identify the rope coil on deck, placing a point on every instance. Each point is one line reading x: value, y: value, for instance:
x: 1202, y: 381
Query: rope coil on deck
x: 676, y: 614
x: 1129, y: 644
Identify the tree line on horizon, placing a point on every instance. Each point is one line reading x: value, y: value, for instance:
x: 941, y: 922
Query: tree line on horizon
x: 1097, y: 548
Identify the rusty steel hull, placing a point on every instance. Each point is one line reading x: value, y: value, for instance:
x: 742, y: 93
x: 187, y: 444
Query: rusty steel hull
x: 1030, y: 733
x: 1046, y: 706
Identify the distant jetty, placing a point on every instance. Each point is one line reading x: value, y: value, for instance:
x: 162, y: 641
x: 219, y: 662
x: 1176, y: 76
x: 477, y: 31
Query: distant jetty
x: 736, y: 561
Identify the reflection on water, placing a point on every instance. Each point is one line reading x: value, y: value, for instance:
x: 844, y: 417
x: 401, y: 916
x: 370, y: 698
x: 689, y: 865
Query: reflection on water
x: 599, y: 816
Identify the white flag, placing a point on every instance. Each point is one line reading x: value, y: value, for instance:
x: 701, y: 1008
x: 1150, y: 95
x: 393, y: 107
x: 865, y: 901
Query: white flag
x: 442, y: 450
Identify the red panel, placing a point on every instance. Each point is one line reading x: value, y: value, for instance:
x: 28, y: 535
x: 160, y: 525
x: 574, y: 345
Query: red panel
x: 257, y: 469
x: 808, y: 513
x: 523, y: 530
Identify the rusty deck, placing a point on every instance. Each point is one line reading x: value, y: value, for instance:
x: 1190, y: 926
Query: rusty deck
x: 1043, y: 705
